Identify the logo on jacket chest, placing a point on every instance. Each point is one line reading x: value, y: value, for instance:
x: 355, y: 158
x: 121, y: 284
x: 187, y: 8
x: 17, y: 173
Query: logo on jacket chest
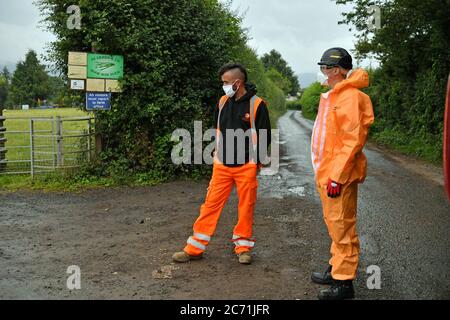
x: 246, y: 117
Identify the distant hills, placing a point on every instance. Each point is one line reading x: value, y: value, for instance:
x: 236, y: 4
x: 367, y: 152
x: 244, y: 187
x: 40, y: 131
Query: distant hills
x: 10, y: 65
x: 306, y: 79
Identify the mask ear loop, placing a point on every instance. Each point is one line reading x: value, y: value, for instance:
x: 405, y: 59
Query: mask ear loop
x: 237, y: 88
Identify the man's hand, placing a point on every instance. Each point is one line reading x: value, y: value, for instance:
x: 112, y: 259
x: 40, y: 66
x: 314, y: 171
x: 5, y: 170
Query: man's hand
x: 333, y: 189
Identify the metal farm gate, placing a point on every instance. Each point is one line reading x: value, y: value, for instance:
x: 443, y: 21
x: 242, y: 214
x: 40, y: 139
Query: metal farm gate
x: 43, y: 144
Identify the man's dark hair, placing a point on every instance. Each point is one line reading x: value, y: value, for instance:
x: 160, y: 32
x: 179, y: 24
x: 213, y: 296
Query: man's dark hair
x: 230, y: 66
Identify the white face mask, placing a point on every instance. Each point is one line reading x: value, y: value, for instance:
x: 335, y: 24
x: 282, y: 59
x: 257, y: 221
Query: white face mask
x: 228, y: 89
x: 323, y: 79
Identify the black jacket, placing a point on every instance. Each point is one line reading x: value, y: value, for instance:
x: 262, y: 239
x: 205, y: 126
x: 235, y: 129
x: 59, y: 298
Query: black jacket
x: 233, y: 116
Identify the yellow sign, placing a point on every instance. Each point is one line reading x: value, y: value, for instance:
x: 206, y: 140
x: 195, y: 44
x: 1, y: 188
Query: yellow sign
x: 112, y: 85
x: 77, y: 72
x: 78, y: 58
x: 96, y: 85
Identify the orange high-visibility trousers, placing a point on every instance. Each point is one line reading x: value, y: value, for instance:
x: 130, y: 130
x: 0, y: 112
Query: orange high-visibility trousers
x: 220, y: 186
x: 340, y: 217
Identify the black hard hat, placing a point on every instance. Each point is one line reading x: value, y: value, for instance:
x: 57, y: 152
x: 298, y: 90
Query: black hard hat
x: 337, y: 57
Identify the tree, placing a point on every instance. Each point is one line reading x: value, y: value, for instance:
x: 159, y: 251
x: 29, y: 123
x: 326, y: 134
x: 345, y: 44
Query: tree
x: 5, y: 73
x: 58, y: 89
x: 4, y: 87
x: 280, y: 81
x: 29, y: 82
x: 273, y: 59
x: 310, y: 99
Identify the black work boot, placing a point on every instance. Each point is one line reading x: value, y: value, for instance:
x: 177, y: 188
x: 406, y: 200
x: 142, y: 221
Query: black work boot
x: 339, y: 290
x: 322, y: 277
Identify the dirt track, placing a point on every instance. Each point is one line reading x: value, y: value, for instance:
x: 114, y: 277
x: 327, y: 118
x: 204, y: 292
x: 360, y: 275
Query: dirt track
x: 119, y: 237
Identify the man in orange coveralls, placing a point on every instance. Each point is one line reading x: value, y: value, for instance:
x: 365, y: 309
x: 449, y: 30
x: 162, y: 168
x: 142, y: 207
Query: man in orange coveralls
x: 239, y: 110
x: 340, y: 132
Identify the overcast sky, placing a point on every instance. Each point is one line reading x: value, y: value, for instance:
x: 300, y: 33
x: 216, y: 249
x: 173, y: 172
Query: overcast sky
x: 19, y: 31
x: 299, y: 29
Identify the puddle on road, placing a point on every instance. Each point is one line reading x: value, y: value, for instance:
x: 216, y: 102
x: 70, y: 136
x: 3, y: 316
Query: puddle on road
x: 298, y: 190
x: 283, y: 184
x: 294, y: 176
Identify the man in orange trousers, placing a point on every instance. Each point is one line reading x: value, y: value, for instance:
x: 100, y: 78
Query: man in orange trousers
x: 239, y: 110
x: 340, y: 132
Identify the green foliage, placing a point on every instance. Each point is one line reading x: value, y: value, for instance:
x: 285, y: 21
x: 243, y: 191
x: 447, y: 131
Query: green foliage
x: 172, y: 51
x: 274, y: 60
x: 5, y: 73
x: 421, y: 146
x: 294, y: 105
x: 310, y: 100
x: 29, y: 83
x: 4, y: 86
x: 5, y: 78
x: 58, y: 89
x: 276, y: 101
x: 279, y: 80
x: 408, y: 90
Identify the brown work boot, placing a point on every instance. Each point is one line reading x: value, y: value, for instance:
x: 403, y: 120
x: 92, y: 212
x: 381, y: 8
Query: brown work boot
x: 245, y: 257
x: 182, y: 257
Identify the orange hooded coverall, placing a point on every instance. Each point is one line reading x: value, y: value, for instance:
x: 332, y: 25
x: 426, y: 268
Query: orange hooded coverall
x: 220, y: 187
x: 340, y: 132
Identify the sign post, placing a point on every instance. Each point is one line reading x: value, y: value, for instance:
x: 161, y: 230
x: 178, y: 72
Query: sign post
x: 98, y: 101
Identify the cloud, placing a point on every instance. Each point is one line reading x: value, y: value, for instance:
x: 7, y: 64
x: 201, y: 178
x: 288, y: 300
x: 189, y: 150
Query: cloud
x: 18, y: 12
x: 21, y: 31
x: 301, y: 30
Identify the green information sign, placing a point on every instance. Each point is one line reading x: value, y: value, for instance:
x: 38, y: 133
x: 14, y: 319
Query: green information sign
x: 104, y: 66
